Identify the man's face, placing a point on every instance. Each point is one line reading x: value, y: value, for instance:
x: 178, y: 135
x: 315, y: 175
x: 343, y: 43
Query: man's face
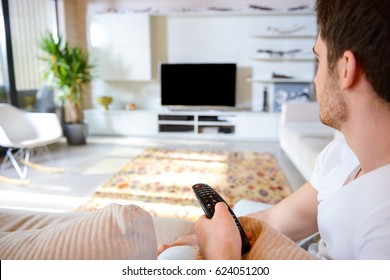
x: 333, y: 110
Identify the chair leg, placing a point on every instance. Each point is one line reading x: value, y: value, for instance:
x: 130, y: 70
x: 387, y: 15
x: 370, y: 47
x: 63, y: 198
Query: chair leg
x: 42, y: 152
x: 21, y: 153
x: 21, y: 160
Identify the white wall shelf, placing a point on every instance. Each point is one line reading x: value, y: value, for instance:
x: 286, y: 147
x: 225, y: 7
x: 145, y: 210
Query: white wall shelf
x: 282, y: 37
x: 284, y: 58
x: 233, y: 12
x: 282, y: 33
x: 271, y: 81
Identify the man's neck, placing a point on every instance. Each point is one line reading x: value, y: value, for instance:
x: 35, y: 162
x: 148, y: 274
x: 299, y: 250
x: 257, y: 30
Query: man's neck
x: 368, y: 135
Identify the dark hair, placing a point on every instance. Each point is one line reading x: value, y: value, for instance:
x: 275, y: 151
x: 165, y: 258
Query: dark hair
x: 363, y: 27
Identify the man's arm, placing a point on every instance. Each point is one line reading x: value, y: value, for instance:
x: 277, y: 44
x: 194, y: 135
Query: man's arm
x: 296, y: 215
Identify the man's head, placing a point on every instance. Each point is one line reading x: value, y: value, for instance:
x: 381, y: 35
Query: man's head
x: 362, y: 27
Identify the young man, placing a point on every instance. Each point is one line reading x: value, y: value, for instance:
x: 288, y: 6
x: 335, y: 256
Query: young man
x: 348, y: 197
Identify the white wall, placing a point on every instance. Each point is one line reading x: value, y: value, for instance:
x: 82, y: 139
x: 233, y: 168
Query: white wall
x: 146, y: 95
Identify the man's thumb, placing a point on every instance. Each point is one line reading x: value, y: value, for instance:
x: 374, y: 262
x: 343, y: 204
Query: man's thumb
x: 220, y: 209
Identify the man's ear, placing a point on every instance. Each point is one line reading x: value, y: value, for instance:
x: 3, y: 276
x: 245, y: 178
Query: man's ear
x: 348, y: 70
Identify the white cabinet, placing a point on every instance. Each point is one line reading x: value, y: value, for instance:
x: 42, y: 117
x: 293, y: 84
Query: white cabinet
x: 121, y: 46
x: 121, y: 122
x: 208, y: 38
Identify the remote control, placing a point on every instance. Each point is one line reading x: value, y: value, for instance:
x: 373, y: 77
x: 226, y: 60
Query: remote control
x: 207, y: 198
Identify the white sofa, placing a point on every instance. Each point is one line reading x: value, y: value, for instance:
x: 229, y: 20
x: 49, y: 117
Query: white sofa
x: 302, y: 135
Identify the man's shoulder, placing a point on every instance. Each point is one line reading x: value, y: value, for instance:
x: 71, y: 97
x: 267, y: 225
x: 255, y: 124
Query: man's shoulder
x: 337, y: 152
x: 333, y: 165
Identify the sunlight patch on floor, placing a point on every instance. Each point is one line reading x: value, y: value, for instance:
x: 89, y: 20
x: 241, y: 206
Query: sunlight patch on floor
x: 106, y: 166
x: 38, y: 202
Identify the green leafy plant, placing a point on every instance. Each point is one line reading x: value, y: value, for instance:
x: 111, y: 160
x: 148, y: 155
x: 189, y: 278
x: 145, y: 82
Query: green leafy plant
x: 69, y: 70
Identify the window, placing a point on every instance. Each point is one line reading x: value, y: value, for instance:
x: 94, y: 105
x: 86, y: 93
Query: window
x: 28, y: 20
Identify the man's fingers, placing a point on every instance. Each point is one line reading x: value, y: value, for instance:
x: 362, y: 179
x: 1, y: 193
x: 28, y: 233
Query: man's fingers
x: 188, y: 240
x: 162, y: 248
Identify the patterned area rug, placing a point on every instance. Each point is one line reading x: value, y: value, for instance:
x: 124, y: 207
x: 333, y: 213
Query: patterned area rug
x: 160, y: 181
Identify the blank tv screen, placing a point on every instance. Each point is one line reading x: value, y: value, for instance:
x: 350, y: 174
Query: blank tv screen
x: 198, y: 84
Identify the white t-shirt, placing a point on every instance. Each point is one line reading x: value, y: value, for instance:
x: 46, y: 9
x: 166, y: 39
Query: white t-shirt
x: 353, y: 219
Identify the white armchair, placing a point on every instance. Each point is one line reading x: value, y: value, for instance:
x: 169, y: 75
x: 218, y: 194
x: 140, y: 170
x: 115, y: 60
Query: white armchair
x: 23, y: 132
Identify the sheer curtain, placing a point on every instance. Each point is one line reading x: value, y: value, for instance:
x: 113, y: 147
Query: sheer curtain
x: 29, y: 20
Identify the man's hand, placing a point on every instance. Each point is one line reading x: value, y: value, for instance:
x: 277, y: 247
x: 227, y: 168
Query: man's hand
x: 219, y: 237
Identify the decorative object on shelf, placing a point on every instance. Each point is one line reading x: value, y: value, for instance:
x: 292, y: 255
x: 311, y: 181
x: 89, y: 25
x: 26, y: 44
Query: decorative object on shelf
x: 262, y: 8
x: 281, y: 76
x: 277, y: 30
x: 265, y: 100
x: 220, y: 9
x: 69, y: 70
x: 104, y: 101
x: 131, y: 106
x: 285, y: 92
x: 298, y: 8
x: 278, y: 78
x: 273, y: 53
x: 291, y: 9
x: 142, y: 10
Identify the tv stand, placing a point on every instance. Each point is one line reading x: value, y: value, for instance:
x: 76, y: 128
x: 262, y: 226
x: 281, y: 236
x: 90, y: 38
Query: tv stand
x: 231, y: 125
x: 197, y: 122
x: 201, y: 109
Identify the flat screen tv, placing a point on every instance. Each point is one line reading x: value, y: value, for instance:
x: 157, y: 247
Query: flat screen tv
x: 198, y: 84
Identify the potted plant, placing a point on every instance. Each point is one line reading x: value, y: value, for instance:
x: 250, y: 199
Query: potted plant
x: 69, y: 70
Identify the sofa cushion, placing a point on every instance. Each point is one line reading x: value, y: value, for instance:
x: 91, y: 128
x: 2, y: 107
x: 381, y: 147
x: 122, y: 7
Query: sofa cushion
x: 299, y: 131
x: 302, y: 142
x: 113, y: 232
x: 170, y: 229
